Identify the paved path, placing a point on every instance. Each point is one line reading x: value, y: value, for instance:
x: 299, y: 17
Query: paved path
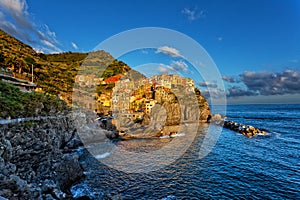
x: 10, y: 121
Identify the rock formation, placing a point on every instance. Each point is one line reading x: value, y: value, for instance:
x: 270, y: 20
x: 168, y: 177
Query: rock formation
x: 33, y: 162
x: 248, y: 131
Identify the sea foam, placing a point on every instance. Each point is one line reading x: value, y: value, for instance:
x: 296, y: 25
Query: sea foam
x: 101, y: 156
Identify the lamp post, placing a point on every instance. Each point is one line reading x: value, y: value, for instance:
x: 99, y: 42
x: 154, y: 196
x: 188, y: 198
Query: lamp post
x: 31, y: 73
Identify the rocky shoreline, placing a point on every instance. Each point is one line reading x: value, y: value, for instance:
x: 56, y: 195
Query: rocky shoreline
x: 37, y: 160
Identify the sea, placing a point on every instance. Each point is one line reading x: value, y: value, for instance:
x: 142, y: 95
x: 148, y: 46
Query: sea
x: 261, y: 167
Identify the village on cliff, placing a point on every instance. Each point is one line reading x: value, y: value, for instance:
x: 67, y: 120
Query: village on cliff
x: 133, y: 97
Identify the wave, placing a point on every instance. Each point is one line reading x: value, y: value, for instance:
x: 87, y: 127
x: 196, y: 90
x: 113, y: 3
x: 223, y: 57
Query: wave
x: 179, y: 135
x: 86, y: 172
x: 101, y: 156
x: 163, y: 137
x: 169, y: 197
x: 293, y: 140
x: 266, y: 134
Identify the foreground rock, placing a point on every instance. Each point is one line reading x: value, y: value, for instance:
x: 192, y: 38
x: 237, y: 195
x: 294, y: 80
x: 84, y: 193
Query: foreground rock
x: 33, y: 159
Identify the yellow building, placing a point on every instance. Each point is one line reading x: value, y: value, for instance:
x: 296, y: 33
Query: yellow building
x: 149, y: 104
x: 105, y: 100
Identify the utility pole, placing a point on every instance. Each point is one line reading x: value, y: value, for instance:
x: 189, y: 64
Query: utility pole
x: 31, y: 73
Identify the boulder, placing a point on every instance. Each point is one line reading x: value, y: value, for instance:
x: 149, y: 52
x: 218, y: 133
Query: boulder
x: 68, y: 171
x: 74, y: 143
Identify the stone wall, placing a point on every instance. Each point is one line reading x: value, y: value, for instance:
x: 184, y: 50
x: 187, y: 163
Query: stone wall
x: 34, y: 163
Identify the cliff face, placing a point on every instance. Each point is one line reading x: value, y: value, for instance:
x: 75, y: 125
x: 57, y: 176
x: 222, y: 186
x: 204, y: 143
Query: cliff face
x: 204, y: 110
x: 33, y: 162
x: 185, y: 107
x: 168, y: 107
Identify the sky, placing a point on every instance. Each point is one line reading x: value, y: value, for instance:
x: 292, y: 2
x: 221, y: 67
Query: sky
x: 255, y: 44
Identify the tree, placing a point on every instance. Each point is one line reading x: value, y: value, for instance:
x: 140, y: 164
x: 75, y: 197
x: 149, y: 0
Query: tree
x: 2, y: 58
x: 29, y: 60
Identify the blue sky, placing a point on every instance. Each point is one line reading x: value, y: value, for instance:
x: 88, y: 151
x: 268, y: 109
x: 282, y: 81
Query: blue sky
x: 255, y: 44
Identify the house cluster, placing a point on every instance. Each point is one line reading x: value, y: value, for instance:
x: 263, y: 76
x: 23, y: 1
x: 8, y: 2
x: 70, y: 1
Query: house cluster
x: 90, y: 81
x: 87, y: 80
x: 134, y: 98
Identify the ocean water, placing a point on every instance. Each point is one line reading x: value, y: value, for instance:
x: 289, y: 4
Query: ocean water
x: 262, y: 167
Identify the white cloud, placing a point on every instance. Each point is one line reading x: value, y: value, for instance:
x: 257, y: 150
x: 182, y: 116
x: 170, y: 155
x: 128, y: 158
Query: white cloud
x: 47, y: 43
x: 17, y: 10
x: 169, y: 51
x: 193, y: 14
x: 163, y: 69
x: 6, y: 25
x: 38, y: 50
x: 16, y: 6
x: 15, y: 20
x: 49, y: 47
x: 49, y: 32
x: 174, y: 67
x: 179, y: 65
x: 74, y: 45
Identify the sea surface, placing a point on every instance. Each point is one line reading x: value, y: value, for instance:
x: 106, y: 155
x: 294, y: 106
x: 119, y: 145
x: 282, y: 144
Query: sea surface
x: 262, y: 167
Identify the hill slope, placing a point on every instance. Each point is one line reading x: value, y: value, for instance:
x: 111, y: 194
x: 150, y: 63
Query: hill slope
x: 54, y: 73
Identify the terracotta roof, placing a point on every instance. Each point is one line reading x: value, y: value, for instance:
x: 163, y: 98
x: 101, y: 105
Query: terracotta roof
x: 113, y: 79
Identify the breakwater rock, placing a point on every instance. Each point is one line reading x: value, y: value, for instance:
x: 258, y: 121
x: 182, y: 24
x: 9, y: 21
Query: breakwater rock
x: 36, y: 159
x: 246, y: 130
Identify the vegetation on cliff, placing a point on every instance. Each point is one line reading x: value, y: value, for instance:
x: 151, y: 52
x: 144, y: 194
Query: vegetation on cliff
x: 15, y: 103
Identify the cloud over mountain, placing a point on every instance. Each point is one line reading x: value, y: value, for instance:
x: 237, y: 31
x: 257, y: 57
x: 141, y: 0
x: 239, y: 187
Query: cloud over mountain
x: 15, y: 20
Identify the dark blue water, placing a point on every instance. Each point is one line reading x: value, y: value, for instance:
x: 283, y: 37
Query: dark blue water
x: 262, y: 167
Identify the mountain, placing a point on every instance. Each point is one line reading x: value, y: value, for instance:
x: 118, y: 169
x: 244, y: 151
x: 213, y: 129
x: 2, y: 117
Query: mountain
x: 16, y: 55
x: 54, y: 73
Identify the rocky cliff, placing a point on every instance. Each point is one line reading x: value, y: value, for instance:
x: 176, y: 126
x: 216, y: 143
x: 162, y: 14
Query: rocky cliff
x: 171, y: 109
x: 33, y: 159
x: 185, y: 107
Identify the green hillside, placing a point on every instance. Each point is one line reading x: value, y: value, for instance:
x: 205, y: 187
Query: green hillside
x: 15, y: 103
x: 54, y: 73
